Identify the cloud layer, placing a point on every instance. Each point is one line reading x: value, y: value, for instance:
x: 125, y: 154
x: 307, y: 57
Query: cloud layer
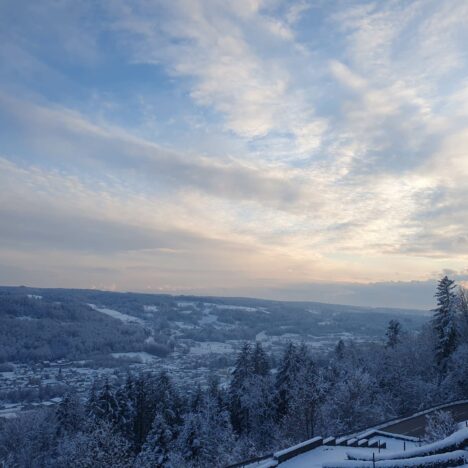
x: 254, y: 146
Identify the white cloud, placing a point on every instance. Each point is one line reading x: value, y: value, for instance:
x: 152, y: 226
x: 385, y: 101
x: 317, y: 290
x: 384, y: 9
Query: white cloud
x: 348, y: 122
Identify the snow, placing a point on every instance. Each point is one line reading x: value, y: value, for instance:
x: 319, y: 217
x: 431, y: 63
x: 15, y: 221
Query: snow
x: 453, y: 441
x: 315, y: 458
x: 117, y: 315
x: 208, y: 347
x: 144, y: 357
x: 433, y: 461
x: 208, y: 318
x: 230, y: 307
x: 295, y: 447
x: 394, y: 444
x: 34, y: 296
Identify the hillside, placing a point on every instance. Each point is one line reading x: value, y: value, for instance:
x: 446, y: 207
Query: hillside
x: 49, y: 324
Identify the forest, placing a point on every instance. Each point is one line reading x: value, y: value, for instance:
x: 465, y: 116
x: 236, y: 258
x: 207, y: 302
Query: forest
x: 147, y: 420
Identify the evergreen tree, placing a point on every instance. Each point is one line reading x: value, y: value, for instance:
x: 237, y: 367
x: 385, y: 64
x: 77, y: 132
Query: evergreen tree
x: 444, y: 322
x: 260, y: 361
x: 288, y: 371
x: 463, y: 307
x: 105, y: 405
x: 206, y: 438
x: 143, y: 402
x: 156, y: 450
x: 393, y: 334
x: 125, y: 408
x: 101, y: 447
x: 340, y: 350
x: 69, y: 414
x: 241, y: 374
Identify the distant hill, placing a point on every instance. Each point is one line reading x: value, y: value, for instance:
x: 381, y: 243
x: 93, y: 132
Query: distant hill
x: 39, y: 323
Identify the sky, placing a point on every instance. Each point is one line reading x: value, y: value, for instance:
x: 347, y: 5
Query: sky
x: 299, y: 150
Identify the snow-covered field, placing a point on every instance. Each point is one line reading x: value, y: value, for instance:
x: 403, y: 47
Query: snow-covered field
x: 142, y: 356
x: 117, y: 315
x: 208, y: 347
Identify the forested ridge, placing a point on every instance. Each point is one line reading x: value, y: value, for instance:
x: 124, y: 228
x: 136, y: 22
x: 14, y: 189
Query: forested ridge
x: 147, y: 420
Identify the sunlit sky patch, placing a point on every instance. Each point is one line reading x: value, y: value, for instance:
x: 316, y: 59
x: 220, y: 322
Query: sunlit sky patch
x: 284, y: 149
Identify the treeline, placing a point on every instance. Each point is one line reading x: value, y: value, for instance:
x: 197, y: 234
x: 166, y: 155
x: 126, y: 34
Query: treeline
x: 148, y: 421
x: 34, y: 330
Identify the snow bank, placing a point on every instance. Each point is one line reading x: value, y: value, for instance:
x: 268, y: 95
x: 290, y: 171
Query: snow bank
x: 432, y: 461
x: 458, y: 440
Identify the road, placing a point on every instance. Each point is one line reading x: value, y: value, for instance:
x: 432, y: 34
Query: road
x: 416, y: 426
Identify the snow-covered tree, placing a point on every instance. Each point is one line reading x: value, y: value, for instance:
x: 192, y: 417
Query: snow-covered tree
x: 156, y: 450
x: 69, y: 415
x: 439, y: 424
x: 288, y: 370
x: 105, y: 405
x: 340, y: 349
x: 444, y: 321
x: 101, y: 447
x: 305, y: 394
x: 463, y: 307
x: 206, y: 438
x: 243, y: 371
x: 393, y: 334
x: 260, y: 361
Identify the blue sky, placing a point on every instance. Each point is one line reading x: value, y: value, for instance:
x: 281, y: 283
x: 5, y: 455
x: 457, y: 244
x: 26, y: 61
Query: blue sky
x: 286, y: 149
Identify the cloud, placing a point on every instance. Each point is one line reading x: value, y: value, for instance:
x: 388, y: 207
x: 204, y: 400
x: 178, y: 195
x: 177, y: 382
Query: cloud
x: 227, y: 51
x: 262, y: 144
x: 67, y: 138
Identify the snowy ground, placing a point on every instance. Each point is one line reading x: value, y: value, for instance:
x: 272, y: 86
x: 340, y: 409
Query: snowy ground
x: 315, y: 458
x: 142, y: 356
x: 117, y: 315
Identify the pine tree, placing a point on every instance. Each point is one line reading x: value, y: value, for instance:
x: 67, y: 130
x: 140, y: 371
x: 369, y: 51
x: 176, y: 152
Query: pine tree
x: 340, y: 349
x: 206, y: 438
x: 260, y: 361
x: 444, y: 322
x: 105, y: 406
x: 69, y: 415
x: 125, y: 408
x: 156, y: 449
x: 393, y: 334
x: 241, y: 374
x: 288, y: 370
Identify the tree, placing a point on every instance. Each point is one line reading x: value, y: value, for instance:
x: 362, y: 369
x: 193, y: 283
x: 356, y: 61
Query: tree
x: 444, y: 322
x: 241, y: 374
x: 439, y: 425
x: 156, y: 449
x: 101, y: 447
x: 463, y: 307
x: 125, y: 415
x: 393, y: 334
x: 69, y: 415
x: 260, y: 361
x: 340, y: 349
x: 288, y: 371
x: 206, y: 438
x: 105, y: 405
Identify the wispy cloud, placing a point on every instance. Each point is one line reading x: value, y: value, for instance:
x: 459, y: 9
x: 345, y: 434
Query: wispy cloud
x: 252, y: 143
